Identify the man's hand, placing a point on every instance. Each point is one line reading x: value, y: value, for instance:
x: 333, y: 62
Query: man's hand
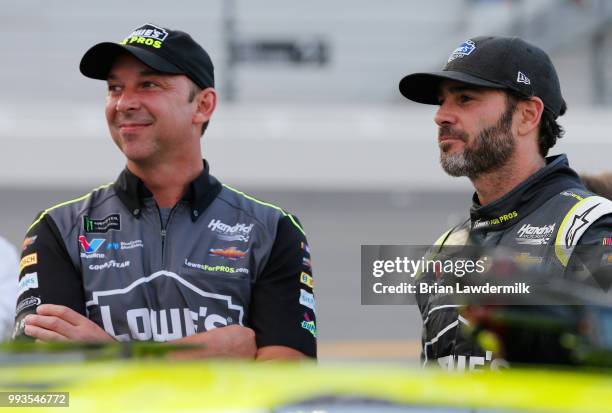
x: 59, y: 323
x: 233, y: 341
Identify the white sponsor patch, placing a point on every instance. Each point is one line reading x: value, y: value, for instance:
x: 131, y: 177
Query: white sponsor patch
x: 28, y: 281
x: 307, y: 299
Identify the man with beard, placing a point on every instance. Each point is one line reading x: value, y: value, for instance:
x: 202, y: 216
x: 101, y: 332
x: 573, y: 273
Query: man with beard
x: 498, y: 100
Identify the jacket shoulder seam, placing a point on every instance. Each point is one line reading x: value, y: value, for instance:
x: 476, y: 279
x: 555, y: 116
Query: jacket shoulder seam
x: 65, y: 203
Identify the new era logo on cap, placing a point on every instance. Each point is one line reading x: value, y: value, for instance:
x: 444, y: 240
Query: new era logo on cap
x: 521, y: 78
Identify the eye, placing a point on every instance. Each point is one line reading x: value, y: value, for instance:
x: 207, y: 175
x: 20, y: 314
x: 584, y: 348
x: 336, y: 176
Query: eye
x: 463, y: 98
x: 112, y: 89
x: 147, y: 84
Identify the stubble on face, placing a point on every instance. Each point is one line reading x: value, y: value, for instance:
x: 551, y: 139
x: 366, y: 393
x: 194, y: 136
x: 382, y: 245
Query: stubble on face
x: 489, y: 150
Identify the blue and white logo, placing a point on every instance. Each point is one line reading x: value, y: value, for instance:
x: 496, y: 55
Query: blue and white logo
x: 463, y: 50
x: 307, y: 299
x: 28, y: 281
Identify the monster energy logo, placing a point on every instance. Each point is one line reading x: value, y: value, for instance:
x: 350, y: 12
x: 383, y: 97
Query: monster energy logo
x: 99, y: 226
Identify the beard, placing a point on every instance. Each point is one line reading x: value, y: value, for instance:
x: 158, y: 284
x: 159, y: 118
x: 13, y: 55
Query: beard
x: 490, y: 150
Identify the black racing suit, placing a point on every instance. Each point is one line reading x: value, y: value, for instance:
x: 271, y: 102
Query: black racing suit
x: 219, y: 257
x: 551, y: 209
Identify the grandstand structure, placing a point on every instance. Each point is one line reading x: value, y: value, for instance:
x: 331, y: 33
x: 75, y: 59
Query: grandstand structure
x: 301, y: 85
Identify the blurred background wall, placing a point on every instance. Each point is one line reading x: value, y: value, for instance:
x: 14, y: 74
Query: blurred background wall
x: 309, y: 117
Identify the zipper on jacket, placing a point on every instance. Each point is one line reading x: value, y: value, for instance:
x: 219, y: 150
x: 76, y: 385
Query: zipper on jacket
x: 164, y: 232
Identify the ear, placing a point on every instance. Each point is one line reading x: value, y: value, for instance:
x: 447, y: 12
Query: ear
x: 206, y: 102
x: 528, y: 114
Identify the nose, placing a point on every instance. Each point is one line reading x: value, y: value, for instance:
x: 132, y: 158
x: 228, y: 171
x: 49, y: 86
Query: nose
x: 128, y: 100
x: 445, y: 115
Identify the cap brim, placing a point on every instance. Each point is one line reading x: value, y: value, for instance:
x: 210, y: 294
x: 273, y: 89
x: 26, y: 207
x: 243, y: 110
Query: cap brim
x: 98, y: 61
x: 425, y: 87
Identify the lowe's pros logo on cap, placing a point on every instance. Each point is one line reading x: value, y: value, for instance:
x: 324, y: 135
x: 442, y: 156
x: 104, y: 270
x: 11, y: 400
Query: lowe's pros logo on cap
x: 463, y: 50
x: 148, y: 35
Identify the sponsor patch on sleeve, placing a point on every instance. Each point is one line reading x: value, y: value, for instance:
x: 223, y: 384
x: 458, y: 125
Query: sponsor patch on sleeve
x: 30, y: 280
x: 27, y: 303
x: 306, y: 279
x: 307, y: 299
x: 28, y: 260
x: 309, y: 325
x: 27, y: 242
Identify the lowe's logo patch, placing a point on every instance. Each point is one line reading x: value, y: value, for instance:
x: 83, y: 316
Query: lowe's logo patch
x: 101, y: 226
x: 183, y: 310
x: 463, y: 50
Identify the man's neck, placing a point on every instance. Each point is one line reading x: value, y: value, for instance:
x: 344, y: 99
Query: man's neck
x: 168, y: 181
x: 492, y: 186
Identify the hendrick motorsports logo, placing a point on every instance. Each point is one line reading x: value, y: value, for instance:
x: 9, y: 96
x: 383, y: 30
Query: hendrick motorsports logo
x: 129, y: 313
x: 238, y: 232
x: 530, y: 235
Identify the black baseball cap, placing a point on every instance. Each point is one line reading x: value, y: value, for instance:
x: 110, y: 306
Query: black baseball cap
x: 165, y: 50
x: 493, y: 62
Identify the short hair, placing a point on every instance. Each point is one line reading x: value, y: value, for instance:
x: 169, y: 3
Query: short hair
x: 193, y: 92
x: 548, y: 129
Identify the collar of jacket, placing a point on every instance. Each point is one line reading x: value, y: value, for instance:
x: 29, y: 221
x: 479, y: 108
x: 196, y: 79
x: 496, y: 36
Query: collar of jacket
x: 201, y: 192
x: 555, y: 177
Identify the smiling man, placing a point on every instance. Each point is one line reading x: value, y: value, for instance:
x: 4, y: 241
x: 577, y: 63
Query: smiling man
x: 167, y: 253
x: 499, y: 99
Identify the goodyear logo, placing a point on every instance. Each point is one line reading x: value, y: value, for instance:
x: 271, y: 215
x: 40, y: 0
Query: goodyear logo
x: 28, y: 260
x: 306, y: 279
x: 148, y: 35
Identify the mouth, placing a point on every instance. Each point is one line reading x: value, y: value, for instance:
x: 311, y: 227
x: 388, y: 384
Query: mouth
x: 449, y: 138
x: 132, y: 127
